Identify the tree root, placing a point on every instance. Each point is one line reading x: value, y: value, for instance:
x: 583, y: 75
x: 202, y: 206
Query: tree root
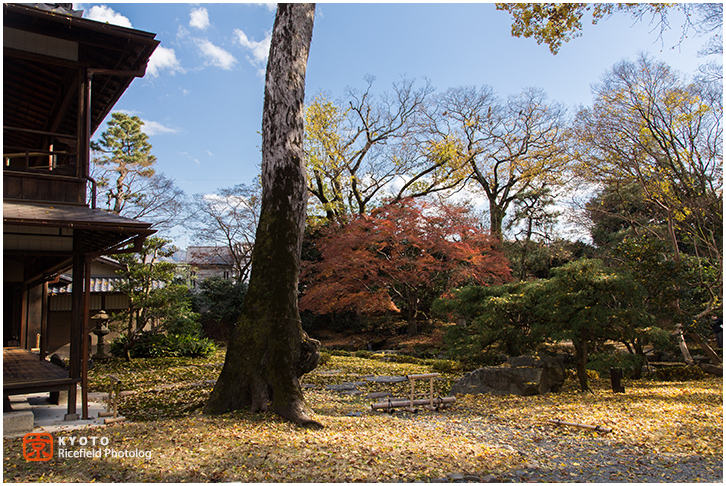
x: 296, y: 412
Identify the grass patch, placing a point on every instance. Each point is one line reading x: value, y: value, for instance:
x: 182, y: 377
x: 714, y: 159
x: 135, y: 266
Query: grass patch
x: 358, y: 444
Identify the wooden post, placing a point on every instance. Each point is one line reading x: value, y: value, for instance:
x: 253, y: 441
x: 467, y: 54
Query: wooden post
x: 114, y: 392
x: 84, y: 348
x: 44, y: 322
x: 76, y: 343
x: 23, y: 336
x: 616, y: 377
x: 431, y: 391
x: 412, y: 394
x: 113, y: 420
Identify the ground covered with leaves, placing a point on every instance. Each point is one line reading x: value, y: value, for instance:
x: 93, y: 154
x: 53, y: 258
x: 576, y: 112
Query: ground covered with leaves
x: 661, y: 432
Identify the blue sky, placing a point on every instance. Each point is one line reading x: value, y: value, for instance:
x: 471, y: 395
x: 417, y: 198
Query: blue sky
x: 202, y: 97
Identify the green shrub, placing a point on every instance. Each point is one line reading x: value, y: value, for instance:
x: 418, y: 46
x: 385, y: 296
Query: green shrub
x: 444, y: 365
x: 117, y: 345
x: 400, y: 358
x: 152, y: 345
x: 679, y: 373
x: 191, y: 346
x: 159, y: 345
x: 602, y: 362
x: 361, y: 353
x: 661, y: 339
x: 324, y: 358
x: 183, y: 326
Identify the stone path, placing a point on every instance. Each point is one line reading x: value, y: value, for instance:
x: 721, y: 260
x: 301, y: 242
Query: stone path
x: 548, y: 458
x: 351, y: 387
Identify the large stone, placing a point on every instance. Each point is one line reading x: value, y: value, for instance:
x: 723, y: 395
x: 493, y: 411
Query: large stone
x: 523, y: 375
x: 17, y: 423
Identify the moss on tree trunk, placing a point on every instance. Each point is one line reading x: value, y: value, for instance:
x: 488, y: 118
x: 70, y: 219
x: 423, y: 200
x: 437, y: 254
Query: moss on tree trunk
x: 269, y: 351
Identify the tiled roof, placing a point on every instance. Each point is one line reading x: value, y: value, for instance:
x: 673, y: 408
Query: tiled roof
x: 65, y: 215
x: 98, y: 285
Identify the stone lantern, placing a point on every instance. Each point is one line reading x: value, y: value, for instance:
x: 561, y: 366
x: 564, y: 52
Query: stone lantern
x: 101, y: 329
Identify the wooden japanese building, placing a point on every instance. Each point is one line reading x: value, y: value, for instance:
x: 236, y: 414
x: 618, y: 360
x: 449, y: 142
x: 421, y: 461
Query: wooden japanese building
x: 62, y: 75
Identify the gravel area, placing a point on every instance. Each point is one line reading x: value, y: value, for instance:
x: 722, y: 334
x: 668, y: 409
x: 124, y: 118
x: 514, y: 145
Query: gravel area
x: 549, y: 456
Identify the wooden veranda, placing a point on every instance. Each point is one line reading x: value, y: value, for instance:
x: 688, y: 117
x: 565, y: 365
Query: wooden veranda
x: 24, y: 373
x: 62, y: 75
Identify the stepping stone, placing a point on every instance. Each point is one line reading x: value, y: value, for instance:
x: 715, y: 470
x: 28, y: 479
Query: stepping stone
x: 387, y: 379
x: 307, y: 386
x: 345, y: 386
x: 377, y: 395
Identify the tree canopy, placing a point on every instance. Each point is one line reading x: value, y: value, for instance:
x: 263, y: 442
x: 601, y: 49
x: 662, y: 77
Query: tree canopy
x: 649, y: 127
x: 126, y: 151
x: 124, y: 171
x: 509, y: 147
x: 399, y: 257
x: 370, y: 148
x: 158, y: 299
x: 556, y: 23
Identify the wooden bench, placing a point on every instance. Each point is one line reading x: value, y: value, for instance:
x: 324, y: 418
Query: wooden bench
x: 430, y: 402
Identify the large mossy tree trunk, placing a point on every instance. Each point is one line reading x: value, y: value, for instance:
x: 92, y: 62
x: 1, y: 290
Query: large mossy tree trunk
x: 269, y: 351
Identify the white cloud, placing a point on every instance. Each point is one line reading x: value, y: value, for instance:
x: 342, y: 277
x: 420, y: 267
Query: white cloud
x: 163, y: 58
x: 270, y: 6
x: 182, y: 34
x: 216, y: 55
x: 258, y: 50
x: 199, y: 18
x: 156, y: 128
x: 130, y: 112
x: 102, y: 13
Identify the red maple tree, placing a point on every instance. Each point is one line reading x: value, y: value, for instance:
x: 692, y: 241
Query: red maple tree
x: 399, y: 256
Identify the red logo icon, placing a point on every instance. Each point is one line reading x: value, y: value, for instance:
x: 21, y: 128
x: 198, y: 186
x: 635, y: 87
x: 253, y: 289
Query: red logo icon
x: 37, y: 446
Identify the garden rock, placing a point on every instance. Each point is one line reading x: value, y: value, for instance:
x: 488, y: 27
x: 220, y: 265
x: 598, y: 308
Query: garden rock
x: 523, y: 375
x: 386, y: 379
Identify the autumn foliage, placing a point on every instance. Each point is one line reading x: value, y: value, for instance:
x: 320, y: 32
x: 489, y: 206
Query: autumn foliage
x: 400, y: 255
